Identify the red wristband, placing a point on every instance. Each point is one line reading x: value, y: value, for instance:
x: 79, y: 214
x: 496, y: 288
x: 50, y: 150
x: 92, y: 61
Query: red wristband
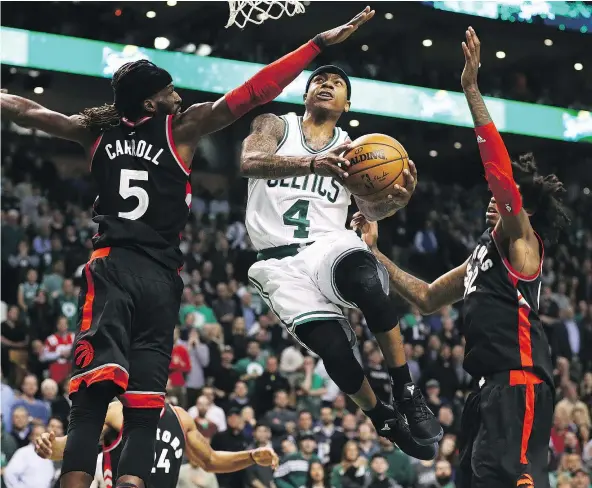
x: 268, y: 83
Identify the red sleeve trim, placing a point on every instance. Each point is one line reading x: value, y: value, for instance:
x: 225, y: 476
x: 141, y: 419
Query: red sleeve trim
x: 173, y: 147
x: 513, y: 272
x: 93, y: 150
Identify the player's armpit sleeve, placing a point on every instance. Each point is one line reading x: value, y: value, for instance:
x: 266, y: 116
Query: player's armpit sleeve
x: 271, y: 80
x: 498, y: 170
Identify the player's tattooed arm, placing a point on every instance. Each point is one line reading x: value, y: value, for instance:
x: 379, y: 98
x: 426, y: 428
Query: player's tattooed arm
x: 260, y: 161
x: 395, y: 201
x: 428, y: 297
x: 201, y: 453
x: 27, y: 113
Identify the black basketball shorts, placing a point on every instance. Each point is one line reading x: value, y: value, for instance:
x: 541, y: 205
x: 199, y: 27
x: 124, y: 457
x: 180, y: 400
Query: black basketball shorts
x: 505, y: 431
x: 128, y: 309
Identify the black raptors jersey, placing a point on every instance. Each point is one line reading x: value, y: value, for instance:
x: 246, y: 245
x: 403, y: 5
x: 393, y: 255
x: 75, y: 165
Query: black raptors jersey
x: 144, y: 188
x: 500, y: 310
x: 168, y: 452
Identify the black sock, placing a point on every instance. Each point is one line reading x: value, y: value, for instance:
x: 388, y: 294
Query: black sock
x: 380, y: 413
x: 400, y: 377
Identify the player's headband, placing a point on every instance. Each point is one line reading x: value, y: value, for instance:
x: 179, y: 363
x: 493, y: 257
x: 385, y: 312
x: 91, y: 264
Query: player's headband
x: 329, y: 68
x: 135, y: 82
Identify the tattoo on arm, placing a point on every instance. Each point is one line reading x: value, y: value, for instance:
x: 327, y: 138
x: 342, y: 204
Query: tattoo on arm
x: 446, y: 290
x: 258, y: 158
x: 477, y: 107
x: 376, y: 211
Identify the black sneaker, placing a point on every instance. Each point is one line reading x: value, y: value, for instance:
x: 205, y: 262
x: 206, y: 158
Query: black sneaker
x: 424, y: 426
x: 397, y: 431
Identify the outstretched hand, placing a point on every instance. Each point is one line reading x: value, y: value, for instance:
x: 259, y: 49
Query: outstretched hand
x: 332, y: 163
x: 341, y: 33
x: 368, y: 229
x: 44, y: 445
x: 265, y: 456
x: 472, y: 51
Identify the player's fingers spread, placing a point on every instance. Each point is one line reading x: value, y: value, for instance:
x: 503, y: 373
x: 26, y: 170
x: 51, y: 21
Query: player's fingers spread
x: 413, y: 169
x: 344, y: 163
x: 409, y: 180
x: 358, y: 18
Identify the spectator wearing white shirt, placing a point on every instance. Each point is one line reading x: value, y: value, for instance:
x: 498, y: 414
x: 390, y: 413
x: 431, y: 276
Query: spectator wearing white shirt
x: 26, y: 469
x: 214, y: 413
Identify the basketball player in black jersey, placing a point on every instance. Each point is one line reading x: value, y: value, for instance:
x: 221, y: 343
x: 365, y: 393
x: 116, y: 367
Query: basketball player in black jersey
x: 506, y: 423
x: 176, y: 434
x: 140, y: 149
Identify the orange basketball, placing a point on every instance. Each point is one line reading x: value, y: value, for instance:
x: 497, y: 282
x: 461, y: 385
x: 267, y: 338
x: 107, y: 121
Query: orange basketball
x: 376, y: 165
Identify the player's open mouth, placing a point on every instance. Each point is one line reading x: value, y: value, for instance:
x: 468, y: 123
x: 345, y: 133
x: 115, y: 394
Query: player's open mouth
x: 325, y: 95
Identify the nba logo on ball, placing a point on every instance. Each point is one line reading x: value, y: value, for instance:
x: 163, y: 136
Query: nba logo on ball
x: 377, y: 162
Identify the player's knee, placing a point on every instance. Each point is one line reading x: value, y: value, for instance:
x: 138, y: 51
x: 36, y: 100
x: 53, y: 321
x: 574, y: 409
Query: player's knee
x: 358, y: 281
x: 329, y: 341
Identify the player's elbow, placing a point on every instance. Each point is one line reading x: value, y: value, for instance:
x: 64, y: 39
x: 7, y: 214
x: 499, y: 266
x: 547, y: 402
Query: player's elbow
x: 247, y: 164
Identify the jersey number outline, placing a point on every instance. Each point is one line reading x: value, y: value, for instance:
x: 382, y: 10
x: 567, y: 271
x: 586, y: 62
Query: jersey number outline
x: 126, y: 190
x: 296, y: 216
x: 163, y: 462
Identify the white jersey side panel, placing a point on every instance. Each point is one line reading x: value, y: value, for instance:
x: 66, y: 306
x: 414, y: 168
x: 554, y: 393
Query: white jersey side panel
x: 298, y: 209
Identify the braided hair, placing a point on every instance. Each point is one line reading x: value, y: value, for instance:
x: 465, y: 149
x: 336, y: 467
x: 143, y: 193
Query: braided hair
x: 542, y: 197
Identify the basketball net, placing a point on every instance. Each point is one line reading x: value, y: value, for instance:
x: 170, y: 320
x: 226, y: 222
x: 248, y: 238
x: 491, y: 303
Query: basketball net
x: 258, y: 11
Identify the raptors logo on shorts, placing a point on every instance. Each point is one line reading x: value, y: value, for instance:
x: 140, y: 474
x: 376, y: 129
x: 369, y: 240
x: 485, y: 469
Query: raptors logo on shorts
x: 84, y: 354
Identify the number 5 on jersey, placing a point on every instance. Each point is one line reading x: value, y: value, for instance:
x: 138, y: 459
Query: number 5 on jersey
x: 296, y: 216
x: 126, y: 190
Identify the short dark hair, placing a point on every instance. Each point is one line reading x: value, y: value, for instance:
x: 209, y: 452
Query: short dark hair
x: 541, y: 196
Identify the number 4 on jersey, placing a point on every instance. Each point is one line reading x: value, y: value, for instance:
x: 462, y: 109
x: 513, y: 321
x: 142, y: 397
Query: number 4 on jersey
x: 296, y: 216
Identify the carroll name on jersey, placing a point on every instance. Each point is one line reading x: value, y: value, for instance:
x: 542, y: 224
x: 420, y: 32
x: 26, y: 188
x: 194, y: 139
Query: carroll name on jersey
x: 139, y: 149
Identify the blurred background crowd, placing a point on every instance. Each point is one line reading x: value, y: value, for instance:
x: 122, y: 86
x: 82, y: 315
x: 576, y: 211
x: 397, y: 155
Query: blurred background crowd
x: 234, y: 368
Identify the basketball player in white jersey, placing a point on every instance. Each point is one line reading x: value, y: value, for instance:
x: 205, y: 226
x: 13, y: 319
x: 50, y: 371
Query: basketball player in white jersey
x: 309, y: 265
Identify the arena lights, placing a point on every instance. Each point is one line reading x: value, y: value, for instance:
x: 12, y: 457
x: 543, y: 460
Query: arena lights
x: 548, y: 42
x: 578, y: 66
x: 161, y: 43
x: 189, y: 48
x: 38, y: 90
x: 388, y: 16
x: 203, y: 50
x: 433, y: 153
x: 427, y: 42
x: 117, y: 12
x: 151, y: 14
x: 354, y: 123
x: 172, y: 3
x: 500, y: 55
x: 586, y: 191
x: 457, y: 145
x: 365, y: 47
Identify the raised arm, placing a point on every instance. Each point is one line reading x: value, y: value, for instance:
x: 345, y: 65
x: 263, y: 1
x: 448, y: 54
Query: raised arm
x: 201, y: 453
x: 26, y: 113
x: 263, y: 87
x: 428, y: 297
x: 497, y: 164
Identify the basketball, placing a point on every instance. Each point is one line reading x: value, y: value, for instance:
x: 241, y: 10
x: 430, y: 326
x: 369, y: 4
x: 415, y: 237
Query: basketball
x: 377, y: 162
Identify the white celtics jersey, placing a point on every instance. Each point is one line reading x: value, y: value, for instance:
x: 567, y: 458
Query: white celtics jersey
x: 297, y: 209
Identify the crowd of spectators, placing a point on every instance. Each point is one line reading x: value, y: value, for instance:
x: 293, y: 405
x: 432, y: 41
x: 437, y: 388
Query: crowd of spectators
x: 243, y: 379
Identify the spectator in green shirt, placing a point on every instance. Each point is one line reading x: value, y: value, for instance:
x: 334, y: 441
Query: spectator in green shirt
x: 293, y: 469
x: 197, y: 306
x: 310, y: 387
x: 399, y: 464
x: 252, y: 366
x: 67, y: 304
x: 53, y: 282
